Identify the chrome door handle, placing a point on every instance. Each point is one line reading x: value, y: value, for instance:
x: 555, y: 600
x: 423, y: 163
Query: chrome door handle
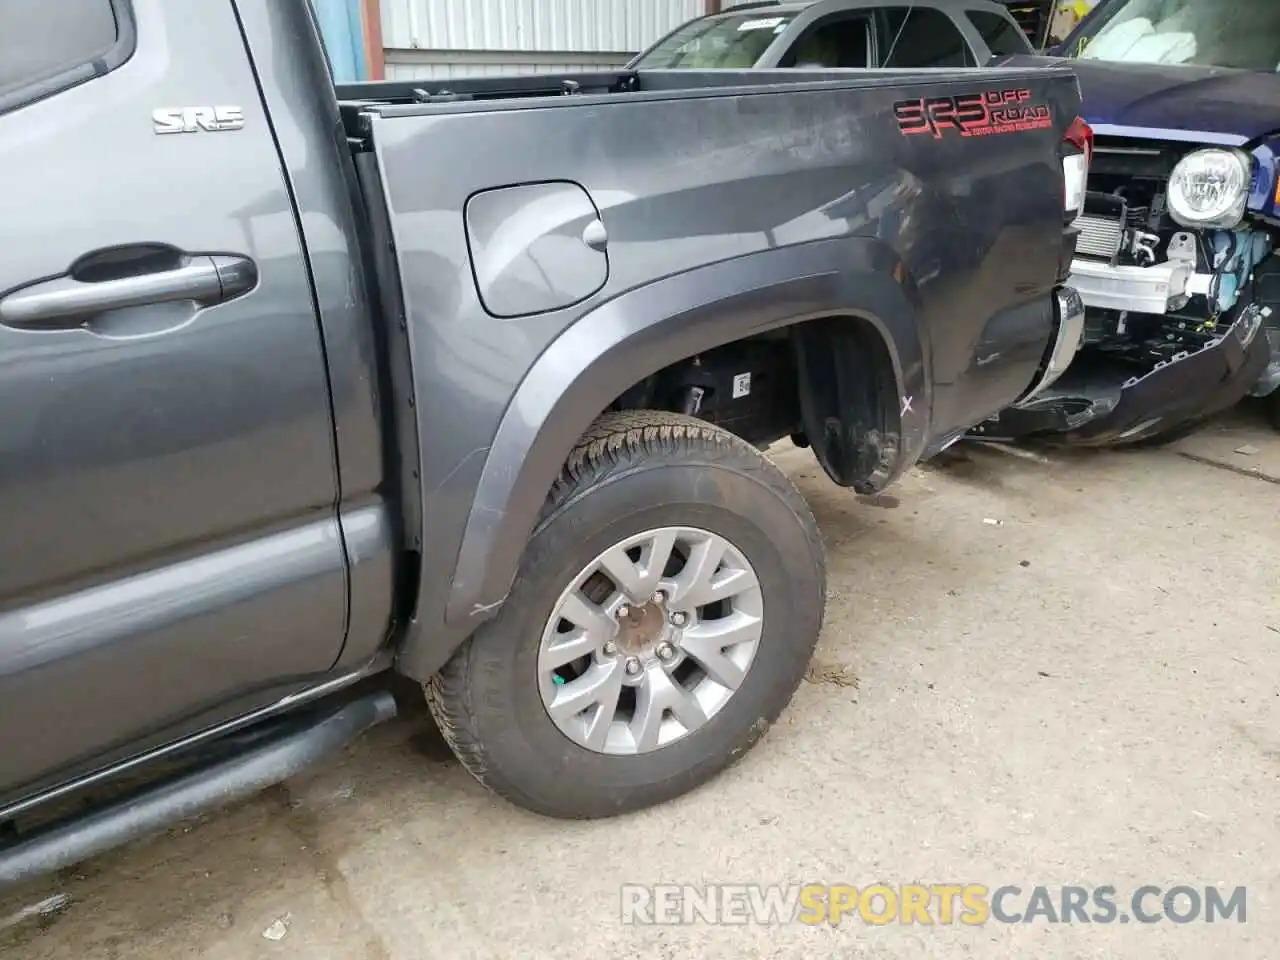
x: 203, y: 279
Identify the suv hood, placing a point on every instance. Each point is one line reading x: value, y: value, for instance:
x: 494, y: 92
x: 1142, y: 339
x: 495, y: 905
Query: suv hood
x: 1211, y: 104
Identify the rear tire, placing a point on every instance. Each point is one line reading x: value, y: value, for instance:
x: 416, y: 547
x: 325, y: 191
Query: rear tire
x: 634, y: 473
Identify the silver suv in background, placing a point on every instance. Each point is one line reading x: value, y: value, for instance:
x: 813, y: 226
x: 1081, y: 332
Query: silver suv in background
x: 834, y: 34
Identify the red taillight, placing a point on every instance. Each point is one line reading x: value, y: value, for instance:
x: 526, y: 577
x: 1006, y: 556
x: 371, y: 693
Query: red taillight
x: 1076, y: 161
x: 1080, y: 135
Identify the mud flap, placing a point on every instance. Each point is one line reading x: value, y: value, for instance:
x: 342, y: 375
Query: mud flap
x: 848, y: 402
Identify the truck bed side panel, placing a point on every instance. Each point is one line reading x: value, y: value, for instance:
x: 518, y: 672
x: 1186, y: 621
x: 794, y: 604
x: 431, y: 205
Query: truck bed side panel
x: 716, y: 204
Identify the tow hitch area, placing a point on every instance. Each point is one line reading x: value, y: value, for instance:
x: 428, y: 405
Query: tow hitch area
x: 1098, y: 403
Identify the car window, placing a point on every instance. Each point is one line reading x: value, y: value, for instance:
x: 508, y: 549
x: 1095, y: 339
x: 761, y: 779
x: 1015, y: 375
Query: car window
x: 48, y: 45
x: 923, y: 37
x: 730, y: 41
x: 1033, y: 18
x: 1201, y: 33
x: 833, y: 42
x: 1002, y: 35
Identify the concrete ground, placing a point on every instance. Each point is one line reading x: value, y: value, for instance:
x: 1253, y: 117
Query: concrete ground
x: 1067, y: 672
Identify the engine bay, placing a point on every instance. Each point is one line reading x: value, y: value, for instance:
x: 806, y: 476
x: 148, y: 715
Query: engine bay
x: 1196, y: 280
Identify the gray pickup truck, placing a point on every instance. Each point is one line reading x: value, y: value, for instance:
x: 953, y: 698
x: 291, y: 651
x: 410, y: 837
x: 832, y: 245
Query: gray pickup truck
x: 303, y: 386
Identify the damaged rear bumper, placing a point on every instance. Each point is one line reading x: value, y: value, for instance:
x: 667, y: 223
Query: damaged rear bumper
x: 1068, y: 320
x: 1099, y: 405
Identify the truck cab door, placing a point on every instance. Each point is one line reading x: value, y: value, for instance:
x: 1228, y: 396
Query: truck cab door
x: 167, y: 481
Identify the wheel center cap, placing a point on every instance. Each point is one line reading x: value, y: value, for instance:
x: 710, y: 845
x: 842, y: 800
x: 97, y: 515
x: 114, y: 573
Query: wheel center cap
x: 641, y: 628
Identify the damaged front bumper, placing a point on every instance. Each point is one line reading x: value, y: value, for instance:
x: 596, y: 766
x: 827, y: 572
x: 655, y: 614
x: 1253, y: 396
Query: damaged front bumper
x: 1269, y: 382
x: 1101, y: 405
x: 1158, y: 289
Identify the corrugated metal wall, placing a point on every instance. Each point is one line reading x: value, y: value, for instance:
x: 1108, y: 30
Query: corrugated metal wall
x: 449, y: 38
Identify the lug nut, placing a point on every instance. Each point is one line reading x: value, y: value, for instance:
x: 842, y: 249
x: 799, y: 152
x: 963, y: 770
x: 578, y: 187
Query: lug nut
x: 659, y: 597
x: 633, y: 667
x: 679, y: 619
x: 623, y: 611
x: 610, y: 648
x: 666, y: 651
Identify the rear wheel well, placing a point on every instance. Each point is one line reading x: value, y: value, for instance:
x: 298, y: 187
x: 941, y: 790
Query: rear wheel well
x: 829, y: 383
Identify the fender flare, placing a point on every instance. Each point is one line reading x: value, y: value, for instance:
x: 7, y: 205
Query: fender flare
x: 639, y: 333
x: 621, y: 341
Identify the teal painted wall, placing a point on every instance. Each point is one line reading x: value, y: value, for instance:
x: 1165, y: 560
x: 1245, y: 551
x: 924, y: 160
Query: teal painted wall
x: 343, y: 31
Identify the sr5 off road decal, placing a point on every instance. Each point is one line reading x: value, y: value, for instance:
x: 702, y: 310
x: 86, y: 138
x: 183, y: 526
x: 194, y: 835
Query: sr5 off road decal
x: 973, y: 114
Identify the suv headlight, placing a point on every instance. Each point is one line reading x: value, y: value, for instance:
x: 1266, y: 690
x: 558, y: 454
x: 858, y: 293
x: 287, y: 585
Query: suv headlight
x: 1209, y: 188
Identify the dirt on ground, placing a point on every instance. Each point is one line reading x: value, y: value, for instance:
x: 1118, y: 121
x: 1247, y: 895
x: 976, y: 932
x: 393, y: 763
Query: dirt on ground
x: 1038, y: 668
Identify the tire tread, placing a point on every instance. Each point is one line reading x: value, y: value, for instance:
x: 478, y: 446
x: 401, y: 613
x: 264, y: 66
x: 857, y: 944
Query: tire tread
x: 611, y: 444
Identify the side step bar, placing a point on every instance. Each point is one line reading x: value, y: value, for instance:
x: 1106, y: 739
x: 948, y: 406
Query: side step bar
x: 191, y: 793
